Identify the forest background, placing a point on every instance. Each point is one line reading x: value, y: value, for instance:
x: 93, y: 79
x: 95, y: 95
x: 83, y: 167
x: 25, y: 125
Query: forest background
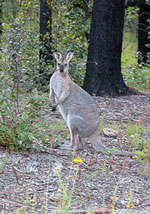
x: 25, y: 72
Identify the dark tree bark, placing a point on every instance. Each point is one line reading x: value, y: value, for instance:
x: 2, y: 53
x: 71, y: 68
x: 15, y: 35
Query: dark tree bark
x: 133, y: 3
x: 45, y: 39
x: 14, y: 10
x: 0, y: 18
x: 103, y: 74
x: 143, y: 29
x: 143, y: 36
x: 84, y: 6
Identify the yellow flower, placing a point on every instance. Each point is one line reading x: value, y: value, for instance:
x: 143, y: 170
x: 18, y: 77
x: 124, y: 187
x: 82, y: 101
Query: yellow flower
x: 17, y: 211
x: 57, y: 168
x: 78, y: 160
x: 59, y: 190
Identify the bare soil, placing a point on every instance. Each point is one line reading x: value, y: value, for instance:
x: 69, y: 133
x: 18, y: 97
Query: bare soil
x: 42, y: 181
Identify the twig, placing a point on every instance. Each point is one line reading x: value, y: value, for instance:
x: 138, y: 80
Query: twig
x: 143, y: 116
x: 14, y: 170
x: 22, y: 204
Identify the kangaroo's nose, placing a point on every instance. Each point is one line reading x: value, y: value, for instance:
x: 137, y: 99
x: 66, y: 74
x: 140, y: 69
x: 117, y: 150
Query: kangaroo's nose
x: 61, y: 68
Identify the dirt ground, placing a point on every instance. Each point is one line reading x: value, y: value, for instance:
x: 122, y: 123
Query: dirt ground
x: 49, y: 181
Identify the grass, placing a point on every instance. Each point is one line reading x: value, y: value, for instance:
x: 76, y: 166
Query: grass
x: 133, y: 129
x: 135, y: 75
x: 113, y: 126
x: 130, y: 40
x: 4, y: 163
x: 129, y: 53
x: 138, y: 135
x: 139, y: 138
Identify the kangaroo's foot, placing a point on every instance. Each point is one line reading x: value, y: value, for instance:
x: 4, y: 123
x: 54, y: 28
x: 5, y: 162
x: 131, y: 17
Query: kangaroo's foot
x: 101, y: 148
x: 105, y: 150
x: 69, y: 148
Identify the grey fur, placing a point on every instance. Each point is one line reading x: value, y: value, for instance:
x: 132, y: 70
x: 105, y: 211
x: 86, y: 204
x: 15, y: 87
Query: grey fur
x: 77, y: 108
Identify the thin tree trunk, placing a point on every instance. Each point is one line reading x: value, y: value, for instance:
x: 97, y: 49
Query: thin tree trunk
x: 103, y: 74
x: 143, y: 34
x: 14, y: 11
x: 45, y: 39
x: 0, y: 18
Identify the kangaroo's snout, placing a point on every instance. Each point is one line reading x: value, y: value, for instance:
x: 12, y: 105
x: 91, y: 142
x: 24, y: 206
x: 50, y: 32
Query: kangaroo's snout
x: 61, y: 68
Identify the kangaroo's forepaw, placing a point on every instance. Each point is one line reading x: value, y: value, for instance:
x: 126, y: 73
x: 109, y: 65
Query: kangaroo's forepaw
x: 53, y: 107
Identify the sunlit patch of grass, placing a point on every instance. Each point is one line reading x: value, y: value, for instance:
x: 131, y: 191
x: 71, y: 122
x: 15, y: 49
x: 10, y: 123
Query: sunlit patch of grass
x: 135, y: 75
x: 114, y: 126
x: 133, y: 129
x: 129, y: 53
x: 138, y: 136
x: 101, y: 125
x: 114, y: 199
x: 130, y: 40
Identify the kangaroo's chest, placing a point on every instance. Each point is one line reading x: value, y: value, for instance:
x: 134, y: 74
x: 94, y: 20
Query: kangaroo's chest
x: 58, y: 85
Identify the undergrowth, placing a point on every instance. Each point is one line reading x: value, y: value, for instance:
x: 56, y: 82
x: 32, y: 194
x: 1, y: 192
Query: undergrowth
x: 139, y: 138
x: 138, y: 77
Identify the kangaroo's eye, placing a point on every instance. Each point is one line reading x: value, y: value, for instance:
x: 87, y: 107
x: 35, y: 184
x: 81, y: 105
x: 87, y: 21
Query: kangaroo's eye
x: 58, y: 64
x: 65, y: 64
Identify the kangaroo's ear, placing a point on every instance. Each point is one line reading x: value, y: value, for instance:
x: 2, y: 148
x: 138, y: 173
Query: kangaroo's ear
x: 57, y: 56
x: 69, y: 56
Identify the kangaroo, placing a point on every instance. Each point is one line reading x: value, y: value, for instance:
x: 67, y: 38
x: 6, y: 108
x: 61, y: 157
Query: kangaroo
x: 77, y: 108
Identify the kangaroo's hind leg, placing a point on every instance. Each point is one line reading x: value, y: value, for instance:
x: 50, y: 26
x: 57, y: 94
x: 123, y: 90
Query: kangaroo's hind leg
x: 97, y: 143
x: 75, y: 141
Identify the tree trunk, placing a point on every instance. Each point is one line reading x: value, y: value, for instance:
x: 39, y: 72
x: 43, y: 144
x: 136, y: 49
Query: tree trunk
x: 14, y: 11
x: 45, y: 39
x: 143, y: 36
x: 0, y: 18
x: 103, y: 74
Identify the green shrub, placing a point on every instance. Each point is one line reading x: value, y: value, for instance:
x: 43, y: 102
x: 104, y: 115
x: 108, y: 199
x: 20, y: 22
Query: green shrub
x: 138, y: 77
x: 20, y: 123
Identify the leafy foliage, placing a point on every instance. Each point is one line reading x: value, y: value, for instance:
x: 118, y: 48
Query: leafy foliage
x: 138, y: 136
x: 138, y: 77
x: 135, y: 76
x: 19, y: 65
x: 69, y: 25
x: 20, y: 126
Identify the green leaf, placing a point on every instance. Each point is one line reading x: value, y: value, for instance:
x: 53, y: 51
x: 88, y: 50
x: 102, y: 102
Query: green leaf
x: 11, y: 146
x: 11, y: 94
x: 22, y: 125
x: 31, y: 136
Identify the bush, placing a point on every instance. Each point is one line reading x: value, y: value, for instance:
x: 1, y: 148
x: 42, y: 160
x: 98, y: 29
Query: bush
x: 20, y: 101
x: 138, y: 77
x: 20, y: 124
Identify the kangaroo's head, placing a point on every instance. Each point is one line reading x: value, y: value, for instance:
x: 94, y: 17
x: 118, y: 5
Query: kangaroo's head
x: 63, y: 62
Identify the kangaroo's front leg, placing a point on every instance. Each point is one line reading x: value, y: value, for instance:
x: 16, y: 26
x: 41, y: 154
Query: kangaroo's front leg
x: 65, y: 93
x: 51, y: 98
